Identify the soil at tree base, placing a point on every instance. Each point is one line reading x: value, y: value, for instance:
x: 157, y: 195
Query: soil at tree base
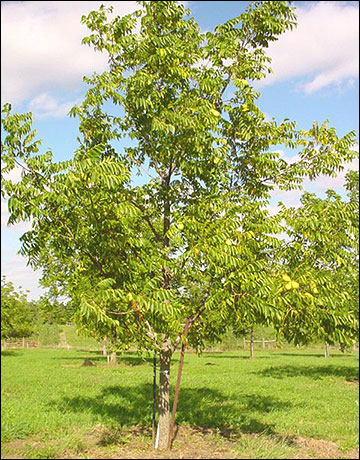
x: 189, y: 443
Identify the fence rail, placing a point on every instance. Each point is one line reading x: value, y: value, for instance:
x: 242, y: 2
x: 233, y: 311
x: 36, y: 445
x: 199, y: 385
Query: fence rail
x: 262, y: 341
x: 19, y: 343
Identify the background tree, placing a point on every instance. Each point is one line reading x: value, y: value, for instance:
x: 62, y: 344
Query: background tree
x: 19, y: 317
x: 321, y: 261
x: 53, y: 311
x: 142, y: 259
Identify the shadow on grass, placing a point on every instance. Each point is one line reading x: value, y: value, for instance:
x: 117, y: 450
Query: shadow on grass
x: 10, y: 353
x: 245, y: 357
x: 223, y: 355
x: 314, y: 354
x: 81, y: 358
x: 127, y: 406
x: 316, y: 372
x: 99, y: 358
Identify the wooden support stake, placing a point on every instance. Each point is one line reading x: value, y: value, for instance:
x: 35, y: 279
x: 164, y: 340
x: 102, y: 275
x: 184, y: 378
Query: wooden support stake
x: 154, y: 399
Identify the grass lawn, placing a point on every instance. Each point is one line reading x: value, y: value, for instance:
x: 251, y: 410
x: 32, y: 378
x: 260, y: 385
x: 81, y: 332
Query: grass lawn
x: 283, y: 404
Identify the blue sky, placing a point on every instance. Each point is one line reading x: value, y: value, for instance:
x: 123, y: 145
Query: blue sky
x: 316, y: 72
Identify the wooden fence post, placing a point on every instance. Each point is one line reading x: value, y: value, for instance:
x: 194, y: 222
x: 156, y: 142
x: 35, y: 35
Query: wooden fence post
x: 23, y: 342
x: 244, y: 343
x: 263, y: 342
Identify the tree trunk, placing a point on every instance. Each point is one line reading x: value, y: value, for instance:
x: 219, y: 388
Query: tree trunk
x: 251, y: 344
x: 164, y: 395
x: 113, y: 358
x: 327, y: 350
x: 104, y: 349
x: 113, y: 353
x: 178, y: 384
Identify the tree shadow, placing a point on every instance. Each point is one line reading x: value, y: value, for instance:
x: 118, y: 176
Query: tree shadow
x: 100, y: 358
x: 80, y: 358
x: 221, y: 355
x: 316, y: 372
x: 122, y: 405
x: 134, y: 361
x: 314, y: 354
x: 10, y: 353
x: 212, y: 409
x: 127, y: 406
x: 245, y: 356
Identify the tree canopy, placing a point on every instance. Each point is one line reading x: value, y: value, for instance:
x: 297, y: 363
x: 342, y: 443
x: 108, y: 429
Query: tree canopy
x: 193, y: 241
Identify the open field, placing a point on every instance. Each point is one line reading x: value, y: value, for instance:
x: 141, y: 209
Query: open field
x: 283, y: 404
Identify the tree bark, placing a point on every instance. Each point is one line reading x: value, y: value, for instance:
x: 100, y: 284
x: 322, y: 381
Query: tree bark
x: 166, y: 351
x: 251, y: 344
x: 178, y: 384
x: 164, y: 394
x: 113, y: 360
x: 327, y: 350
x: 104, y: 349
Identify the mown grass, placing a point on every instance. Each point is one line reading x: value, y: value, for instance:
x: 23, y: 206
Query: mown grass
x: 278, y: 395
x: 79, y: 341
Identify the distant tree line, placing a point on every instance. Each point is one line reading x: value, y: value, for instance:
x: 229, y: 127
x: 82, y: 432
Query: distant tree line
x: 21, y: 317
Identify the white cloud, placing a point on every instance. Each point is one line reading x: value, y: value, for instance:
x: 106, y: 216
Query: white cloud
x: 14, y: 267
x: 318, y: 186
x: 323, y: 183
x: 323, y: 49
x: 287, y: 197
x: 14, y: 175
x: 18, y: 228
x: 45, y: 106
x: 41, y: 47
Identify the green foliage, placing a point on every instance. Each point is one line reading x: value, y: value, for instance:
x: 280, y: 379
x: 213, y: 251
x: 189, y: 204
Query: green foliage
x: 194, y: 241
x: 49, y: 334
x: 19, y: 317
x: 54, y: 312
x: 322, y: 255
x: 22, y: 318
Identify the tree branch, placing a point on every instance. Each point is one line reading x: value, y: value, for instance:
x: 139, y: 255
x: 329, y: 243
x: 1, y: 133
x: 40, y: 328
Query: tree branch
x: 157, y: 236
